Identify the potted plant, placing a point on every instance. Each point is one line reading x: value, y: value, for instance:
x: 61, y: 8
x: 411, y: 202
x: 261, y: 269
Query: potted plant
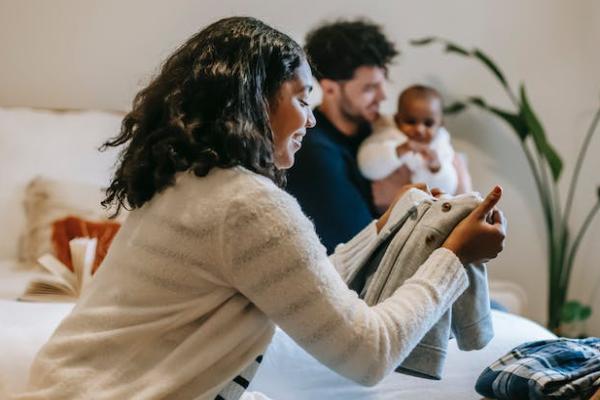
x: 546, y: 167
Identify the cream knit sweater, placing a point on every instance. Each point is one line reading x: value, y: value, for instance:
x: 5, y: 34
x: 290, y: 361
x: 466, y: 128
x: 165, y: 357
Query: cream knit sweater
x: 195, y: 280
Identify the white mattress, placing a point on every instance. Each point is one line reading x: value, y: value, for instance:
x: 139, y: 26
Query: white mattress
x: 14, y: 277
x: 287, y: 372
x: 24, y: 328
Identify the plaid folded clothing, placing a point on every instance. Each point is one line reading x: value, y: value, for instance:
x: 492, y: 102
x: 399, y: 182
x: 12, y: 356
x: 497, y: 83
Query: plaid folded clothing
x: 546, y: 369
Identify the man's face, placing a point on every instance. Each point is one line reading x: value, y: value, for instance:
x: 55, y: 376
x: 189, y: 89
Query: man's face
x: 360, y: 97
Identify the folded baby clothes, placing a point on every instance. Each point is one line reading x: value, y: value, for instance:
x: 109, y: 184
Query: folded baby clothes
x: 546, y: 369
x: 419, y: 224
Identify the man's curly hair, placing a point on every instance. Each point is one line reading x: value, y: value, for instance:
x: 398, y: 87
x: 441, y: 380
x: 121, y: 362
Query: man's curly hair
x: 335, y: 50
x: 208, y: 107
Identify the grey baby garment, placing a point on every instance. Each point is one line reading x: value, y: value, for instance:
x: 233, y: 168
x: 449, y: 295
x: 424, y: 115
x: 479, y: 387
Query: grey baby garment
x: 418, y: 225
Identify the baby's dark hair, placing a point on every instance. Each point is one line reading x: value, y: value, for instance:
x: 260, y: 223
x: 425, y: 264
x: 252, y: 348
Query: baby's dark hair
x: 335, y: 50
x: 419, y: 91
x: 208, y: 107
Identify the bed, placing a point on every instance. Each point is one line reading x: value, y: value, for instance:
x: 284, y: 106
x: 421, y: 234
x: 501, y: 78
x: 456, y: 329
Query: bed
x: 287, y: 371
x: 62, y: 148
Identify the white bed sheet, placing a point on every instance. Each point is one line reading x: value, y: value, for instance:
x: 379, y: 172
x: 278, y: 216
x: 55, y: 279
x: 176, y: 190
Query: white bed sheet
x: 287, y: 371
x: 24, y: 328
x: 14, y: 277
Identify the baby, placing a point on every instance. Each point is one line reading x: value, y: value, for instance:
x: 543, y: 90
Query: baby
x: 415, y: 147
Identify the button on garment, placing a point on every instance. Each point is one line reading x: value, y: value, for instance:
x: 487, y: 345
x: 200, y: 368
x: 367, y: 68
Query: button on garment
x: 418, y: 225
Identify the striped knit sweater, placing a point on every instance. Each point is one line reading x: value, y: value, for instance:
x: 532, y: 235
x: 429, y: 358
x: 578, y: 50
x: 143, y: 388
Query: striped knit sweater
x: 195, y: 280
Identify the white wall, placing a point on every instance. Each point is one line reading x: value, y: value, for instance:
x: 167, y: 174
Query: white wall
x: 90, y: 54
x: 586, y: 277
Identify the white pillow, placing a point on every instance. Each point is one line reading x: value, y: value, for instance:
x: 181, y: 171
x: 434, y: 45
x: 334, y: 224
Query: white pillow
x: 47, y: 201
x: 59, y: 145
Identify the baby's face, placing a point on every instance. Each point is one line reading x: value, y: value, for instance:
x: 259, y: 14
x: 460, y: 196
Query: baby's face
x: 419, y: 118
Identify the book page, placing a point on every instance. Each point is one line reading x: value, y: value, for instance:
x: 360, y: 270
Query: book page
x: 58, y: 270
x: 83, y: 254
x: 49, y: 288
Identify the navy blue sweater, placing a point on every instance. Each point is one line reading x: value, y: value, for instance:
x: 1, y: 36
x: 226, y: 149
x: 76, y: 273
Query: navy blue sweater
x: 328, y: 185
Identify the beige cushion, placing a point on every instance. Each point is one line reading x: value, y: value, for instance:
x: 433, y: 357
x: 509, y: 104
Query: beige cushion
x: 60, y: 145
x: 47, y: 200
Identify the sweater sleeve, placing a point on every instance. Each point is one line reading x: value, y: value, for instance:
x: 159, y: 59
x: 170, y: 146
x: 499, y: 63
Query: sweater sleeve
x: 273, y: 257
x: 347, y: 256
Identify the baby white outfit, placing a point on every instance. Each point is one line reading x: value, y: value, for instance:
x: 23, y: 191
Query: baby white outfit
x: 377, y: 157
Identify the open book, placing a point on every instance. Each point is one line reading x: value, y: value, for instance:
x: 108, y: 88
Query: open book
x: 63, y: 284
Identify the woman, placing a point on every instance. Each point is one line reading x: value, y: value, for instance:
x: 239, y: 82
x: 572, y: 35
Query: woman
x: 214, y: 253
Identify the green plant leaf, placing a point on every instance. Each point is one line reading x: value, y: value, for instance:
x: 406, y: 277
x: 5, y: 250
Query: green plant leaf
x: 598, y: 192
x: 574, y: 311
x: 569, y: 311
x: 478, y: 101
x: 452, y: 48
x: 585, y: 313
x: 423, y: 41
x: 539, y: 136
x: 487, y: 61
x: 454, y: 108
x: 515, y: 121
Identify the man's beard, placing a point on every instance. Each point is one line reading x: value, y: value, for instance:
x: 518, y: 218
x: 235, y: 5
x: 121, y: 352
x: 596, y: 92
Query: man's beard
x: 349, y: 112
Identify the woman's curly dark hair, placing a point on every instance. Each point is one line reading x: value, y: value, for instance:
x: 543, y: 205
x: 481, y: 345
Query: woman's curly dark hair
x: 208, y: 107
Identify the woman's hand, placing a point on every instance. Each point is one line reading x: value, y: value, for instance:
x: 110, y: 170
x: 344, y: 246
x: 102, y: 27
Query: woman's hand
x: 480, y: 236
x: 383, y: 219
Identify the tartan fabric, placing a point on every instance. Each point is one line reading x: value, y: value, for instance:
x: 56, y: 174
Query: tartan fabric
x: 548, y: 369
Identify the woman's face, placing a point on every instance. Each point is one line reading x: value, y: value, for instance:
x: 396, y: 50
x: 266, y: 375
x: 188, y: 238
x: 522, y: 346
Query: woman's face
x: 291, y: 116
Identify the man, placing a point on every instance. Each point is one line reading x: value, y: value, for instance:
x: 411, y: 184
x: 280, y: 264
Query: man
x: 350, y: 61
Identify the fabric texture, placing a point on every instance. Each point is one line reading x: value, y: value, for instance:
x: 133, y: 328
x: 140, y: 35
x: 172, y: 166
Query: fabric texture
x: 71, y: 227
x: 420, y: 224
x: 48, y: 200
x: 195, y: 281
x: 377, y: 157
x: 58, y: 145
x: 237, y: 387
x: 567, y: 369
x: 328, y: 185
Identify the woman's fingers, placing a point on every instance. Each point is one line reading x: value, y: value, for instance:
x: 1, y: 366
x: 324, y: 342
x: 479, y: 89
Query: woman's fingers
x: 406, y: 188
x: 437, y: 192
x: 488, y: 204
x: 499, y: 220
x: 422, y: 186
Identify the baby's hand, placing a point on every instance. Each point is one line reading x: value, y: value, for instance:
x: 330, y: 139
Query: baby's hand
x: 429, y: 155
x: 433, y: 162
